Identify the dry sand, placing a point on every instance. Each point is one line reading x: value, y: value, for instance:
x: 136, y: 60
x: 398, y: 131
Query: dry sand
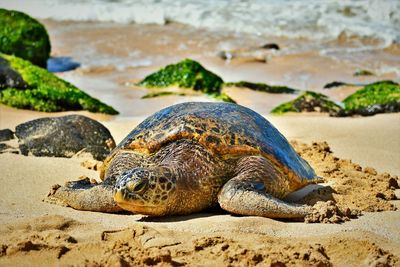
x: 34, y: 233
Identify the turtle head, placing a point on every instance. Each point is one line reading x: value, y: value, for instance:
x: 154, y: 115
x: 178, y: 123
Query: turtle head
x: 145, y: 190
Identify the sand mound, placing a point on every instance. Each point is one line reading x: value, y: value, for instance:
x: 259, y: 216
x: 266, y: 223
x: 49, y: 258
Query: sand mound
x: 352, y: 188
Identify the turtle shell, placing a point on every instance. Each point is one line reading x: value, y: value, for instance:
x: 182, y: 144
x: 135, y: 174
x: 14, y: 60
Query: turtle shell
x: 227, y: 130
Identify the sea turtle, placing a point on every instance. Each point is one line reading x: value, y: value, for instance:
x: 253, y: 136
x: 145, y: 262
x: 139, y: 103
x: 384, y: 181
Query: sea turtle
x: 191, y: 156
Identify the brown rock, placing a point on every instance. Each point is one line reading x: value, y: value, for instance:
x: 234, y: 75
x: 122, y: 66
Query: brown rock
x: 393, y: 183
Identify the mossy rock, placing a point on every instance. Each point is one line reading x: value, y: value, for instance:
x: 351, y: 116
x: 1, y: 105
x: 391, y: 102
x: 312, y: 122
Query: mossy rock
x: 309, y: 102
x: 262, y: 87
x: 185, y: 74
x: 378, y: 97
x: 337, y: 84
x: 222, y: 97
x: 44, y: 91
x: 363, y: 73
x: 162, y: 93
x: 23, y: 36
x: 9, y: 78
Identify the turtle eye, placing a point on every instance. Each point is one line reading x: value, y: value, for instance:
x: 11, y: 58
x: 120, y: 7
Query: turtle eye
x: 138, y: 187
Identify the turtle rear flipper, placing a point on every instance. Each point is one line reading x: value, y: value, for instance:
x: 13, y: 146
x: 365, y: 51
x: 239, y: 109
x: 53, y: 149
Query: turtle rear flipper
x: 83, y: 195
x: 252, y: 191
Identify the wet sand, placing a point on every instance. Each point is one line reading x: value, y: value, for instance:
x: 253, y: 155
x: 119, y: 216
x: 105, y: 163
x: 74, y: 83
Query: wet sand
x: 365, y: 155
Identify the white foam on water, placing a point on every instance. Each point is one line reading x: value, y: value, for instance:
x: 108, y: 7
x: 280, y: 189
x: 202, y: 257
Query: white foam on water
x: 389, y: 69
x: 91, y: 58
x: 312, y: 19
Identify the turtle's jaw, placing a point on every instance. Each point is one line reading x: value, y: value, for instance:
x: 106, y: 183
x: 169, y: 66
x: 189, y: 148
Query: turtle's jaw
x: 132, y: 202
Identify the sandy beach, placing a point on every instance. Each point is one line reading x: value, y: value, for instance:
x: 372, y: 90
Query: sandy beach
x: 38, y: 233
x: 357, y: 156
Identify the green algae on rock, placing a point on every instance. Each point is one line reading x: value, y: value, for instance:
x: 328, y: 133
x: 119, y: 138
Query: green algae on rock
x: 309, y: 102
x: 262, y: 87
x: 162, y: 93
x: 185, y: 74
x: 23, y: 36
x: 222, y: 97
x: 378, y: 97
x: 46, y: 92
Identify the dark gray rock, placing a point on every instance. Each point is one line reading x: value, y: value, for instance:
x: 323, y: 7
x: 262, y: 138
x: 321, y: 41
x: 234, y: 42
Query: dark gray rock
x: 6, y: 134
x: 375, y: 109
x: 9, y: 78
x: 334, y: 84
x: 64, y: 137
x: 270, y: 46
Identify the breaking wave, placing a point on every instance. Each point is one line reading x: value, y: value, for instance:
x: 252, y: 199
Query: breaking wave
x: 311, y: 19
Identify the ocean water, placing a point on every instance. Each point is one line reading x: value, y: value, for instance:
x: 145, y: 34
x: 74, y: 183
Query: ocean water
x: 312, y: 19
x: 321, y: 41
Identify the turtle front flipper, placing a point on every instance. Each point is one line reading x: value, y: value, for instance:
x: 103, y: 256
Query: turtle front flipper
x: 243, y: 197
x: 255, y: 190
x: 83, y: 195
